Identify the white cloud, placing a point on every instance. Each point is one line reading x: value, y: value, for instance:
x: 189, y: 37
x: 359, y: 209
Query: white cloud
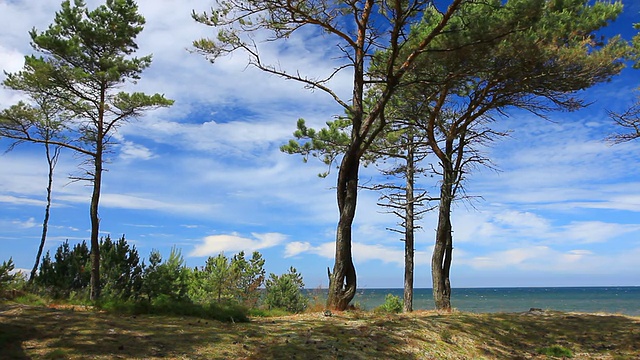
x: 362, y: 253
x: 585, y: 232
x: 21, y: 200
x: 297, y: 248
x: 513, y: 218
x: 28, y: 224
x: 546, y: 260
x: 132, y: 151
x: 215, y: 244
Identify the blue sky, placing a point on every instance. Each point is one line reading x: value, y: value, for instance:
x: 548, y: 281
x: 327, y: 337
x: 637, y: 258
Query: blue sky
x: 206, y: 175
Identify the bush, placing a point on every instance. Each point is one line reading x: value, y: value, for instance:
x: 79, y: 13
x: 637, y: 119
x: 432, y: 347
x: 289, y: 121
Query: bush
x: 556, y: 351
x: 285, y: 292
x: 121, y: 270
x: 11, y: 284
x: 6, y: 277
x: 169, y: 278
x: 392, y: 305
x: 166, y: 305
x: 229, y: 279
x: 68, y: 271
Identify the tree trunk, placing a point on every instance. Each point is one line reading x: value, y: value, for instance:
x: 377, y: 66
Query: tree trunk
x: 443, y: 249
x: 51, y: 161
x: 409, y: 230
x: 93, y: 213
x: 342, y: 282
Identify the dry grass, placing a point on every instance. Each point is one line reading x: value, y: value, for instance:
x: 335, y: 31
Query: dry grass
x: 31, y: 332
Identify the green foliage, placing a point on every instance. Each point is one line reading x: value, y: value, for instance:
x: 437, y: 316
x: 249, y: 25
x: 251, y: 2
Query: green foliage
x: 68, y: 275
x: 87, y: 56
x: 67, y: 272
x: 249, y: 277
x: 223, y: 279
x: 285, y: 292
x: 6, y: 276
x: 556, y: 351
x: 446, y: 335
x: 216, y: 280
x: 165, y: 305
x: 122, y: 270
x: 392, y: 305
x: 57, y: 354
x: 169, y: 278
x: 30, y: 298
x: 326, y: 144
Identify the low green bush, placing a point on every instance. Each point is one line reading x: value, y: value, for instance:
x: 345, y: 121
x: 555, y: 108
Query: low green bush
x: 556, y: 351
x: 286, y: 292
x: 392, y: 305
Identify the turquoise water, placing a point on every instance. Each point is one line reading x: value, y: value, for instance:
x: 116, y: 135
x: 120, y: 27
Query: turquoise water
x: 620, y: 300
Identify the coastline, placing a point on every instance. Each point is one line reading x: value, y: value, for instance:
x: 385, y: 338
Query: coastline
x: 596, y: 299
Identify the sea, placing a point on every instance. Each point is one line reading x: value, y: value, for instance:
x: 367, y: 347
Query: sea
x: 611, y: 300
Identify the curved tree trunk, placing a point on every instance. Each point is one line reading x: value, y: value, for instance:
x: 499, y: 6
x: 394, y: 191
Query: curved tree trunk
x: 443, y: 249
x: 342, y: 282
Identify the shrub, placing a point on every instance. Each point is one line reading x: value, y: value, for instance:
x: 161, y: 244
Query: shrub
x: 12, y: 283
x: 229, y: 279
x: 169, y: 278
x: 556, y: 351
x: 392, y: 305
x: 250, y: 276
x: 166, y: 305
x: 285, y: 292
x: 67, y: 272
x: 6, y: 277
x: 31, y: 299
x: 121, y: 271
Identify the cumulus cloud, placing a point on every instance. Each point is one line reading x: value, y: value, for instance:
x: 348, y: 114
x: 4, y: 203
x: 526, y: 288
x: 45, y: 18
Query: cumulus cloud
x: 215, y: 244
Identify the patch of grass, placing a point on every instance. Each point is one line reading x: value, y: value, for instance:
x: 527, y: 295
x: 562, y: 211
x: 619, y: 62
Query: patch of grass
x: 268, y: 312
x: 224, y: 311
x: 556, y: 351
x: 34, y: 332
x: 56, y: 354
x: 446, y: 335
x: 29, y: 298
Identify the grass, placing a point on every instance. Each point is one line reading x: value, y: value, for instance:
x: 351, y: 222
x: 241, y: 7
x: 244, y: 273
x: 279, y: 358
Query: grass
x: 51, y: 332
x: 556, y: 351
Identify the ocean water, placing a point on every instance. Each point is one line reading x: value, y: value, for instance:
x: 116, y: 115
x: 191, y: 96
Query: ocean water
x: 615, y: 300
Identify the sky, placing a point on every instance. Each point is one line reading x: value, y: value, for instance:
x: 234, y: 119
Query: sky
x: 207, y: 176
